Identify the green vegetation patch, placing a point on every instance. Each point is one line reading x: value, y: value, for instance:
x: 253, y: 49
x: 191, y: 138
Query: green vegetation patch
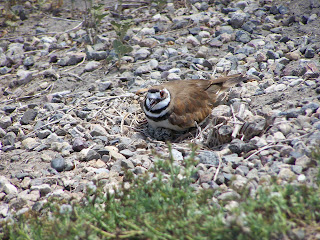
x: 163, y: 204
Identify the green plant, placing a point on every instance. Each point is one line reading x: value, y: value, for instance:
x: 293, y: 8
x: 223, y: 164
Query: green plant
x: 162, y: 204
x: 316, y: 156
x: 119, y: 45
x: 159, y: 3
x: 95, y: 13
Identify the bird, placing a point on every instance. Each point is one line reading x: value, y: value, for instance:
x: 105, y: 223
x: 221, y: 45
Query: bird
x: 182, y: 104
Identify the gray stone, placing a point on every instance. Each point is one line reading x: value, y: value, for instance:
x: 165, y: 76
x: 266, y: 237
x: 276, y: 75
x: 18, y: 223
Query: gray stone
x: 242, y: 170
x: 79, y: 144
x: 180, y: 23
x: 71, y: 59
x: 43, y: 133
x: 148, y: 42
x: 65, y: 209
x: 91, y: 66
x: 140, y: 170
x: 206, y: 176
x: 313, y: 106
x: 208, y: 157
x: 96, y: 55
x: 127, y: 164
x: 4, y: 61
x: 28, y: 61
x: 239, y: 184
x: 237, y: 19
x: 5, y: 122
x: 147, y: 31
x: 272, y: 55
x: 44, y: 189
x: 253, y: 174
x: 243, y: 36
x: 141, y: 54
x: 247, y: 50
x: 297, y: 169
x: 233, y: 159
x: 4, y: 210
x: 7, y: 187
x: 15, y: 52
x: 24, y: 77
x: 193, y: 40
x: 89, y: 154
x: 2, y: 133
x: 286, y: 174
x: 232, y: 195
x: 304, y: 162
x: 9, y: 139
x: 297, y: 234
x: 98, y: 130
x: 28, y: 116
x: 215, y: 43
x: 309, y: 53
x: 142, y: 70
x: 236, y: 146
x: 194, y: 30
x: 127, y: 153
x: 58, y: 164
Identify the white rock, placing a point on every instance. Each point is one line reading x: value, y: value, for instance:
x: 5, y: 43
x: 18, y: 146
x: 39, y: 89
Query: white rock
x: 295, y: 82
x: 147, y: 31
x: 310, y: 83
x: 285, y: 128
x: 302, y: 178
x: 279, y: 136
x: 204, y: 34
x: 91, y: 66
x: 48, y: 40
x: 30, y: 196
x: 175, y: 70
x: 8, y: 188
x: 155, y: 75
x: 171, y: 52
x: 286, y: 174
x: 275, y: 88
x: 44, y: 189
x: 153, y: 63
x: 224, y: 64
x: 29, y: 143
x: 24, y: 76
x: 193, y: 40
x: 173, y: 76
x: 141, y: 54
x: 231, y: 205
x: 176, y: 155
x: 4, y: 209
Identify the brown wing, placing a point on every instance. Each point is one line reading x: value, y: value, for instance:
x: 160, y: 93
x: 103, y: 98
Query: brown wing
x: 191, y: 102
x: 194, y: 99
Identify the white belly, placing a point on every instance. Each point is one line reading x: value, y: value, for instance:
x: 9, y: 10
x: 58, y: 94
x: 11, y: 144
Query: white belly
x: 165, y: 124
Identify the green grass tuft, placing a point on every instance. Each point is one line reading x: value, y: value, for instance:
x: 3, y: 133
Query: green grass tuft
x: 162, y: 204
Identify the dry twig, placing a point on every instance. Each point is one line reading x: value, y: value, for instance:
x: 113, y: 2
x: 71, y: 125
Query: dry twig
x: 218, y: 169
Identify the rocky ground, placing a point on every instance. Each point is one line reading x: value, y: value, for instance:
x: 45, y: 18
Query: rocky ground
x: 69, y: 119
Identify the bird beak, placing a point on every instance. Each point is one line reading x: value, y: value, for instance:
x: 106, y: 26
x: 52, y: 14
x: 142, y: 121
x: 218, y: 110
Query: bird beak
x: 153, y: 102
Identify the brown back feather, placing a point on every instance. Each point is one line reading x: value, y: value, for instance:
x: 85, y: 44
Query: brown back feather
x: 197, y: 104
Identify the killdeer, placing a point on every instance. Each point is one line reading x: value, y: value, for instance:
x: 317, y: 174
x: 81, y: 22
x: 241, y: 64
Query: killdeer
x: 182, y: 104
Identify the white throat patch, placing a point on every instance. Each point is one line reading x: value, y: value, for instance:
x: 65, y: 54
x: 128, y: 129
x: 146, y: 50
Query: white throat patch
x: 160, y: 105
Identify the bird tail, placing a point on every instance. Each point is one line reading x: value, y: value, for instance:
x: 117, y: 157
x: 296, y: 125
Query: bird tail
x: 229, y: 81
x: 221, y: 85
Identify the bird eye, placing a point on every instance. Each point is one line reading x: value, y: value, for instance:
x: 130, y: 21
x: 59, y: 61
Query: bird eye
x: 161, y: 93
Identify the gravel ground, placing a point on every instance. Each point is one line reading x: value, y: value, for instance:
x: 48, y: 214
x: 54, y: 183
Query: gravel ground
x: 70, y: 119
